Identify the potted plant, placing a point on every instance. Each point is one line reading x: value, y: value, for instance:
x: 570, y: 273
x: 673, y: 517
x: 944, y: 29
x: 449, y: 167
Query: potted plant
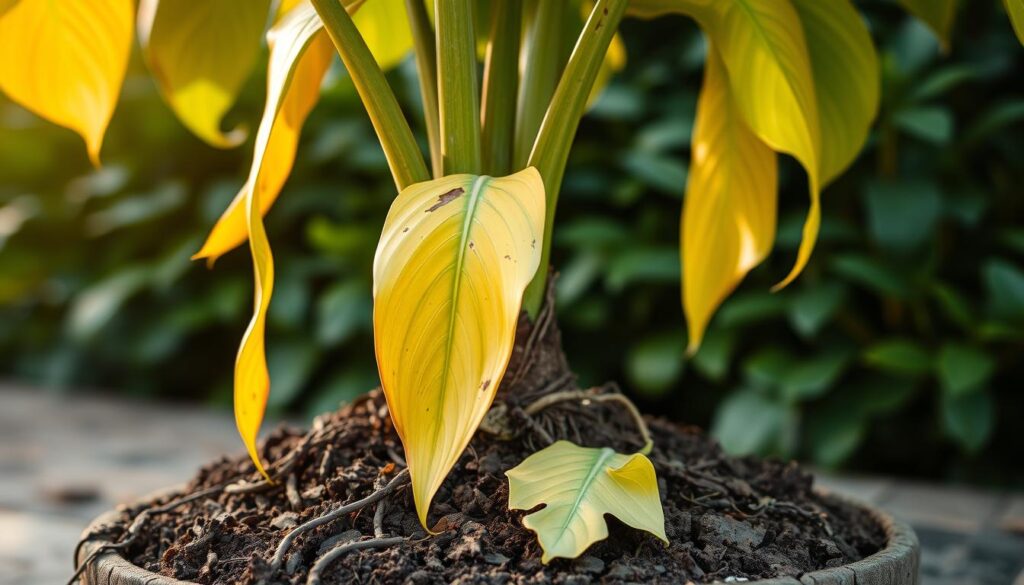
x: 480, y: 460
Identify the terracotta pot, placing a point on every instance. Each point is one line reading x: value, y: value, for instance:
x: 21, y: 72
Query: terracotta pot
x: 896, y: 564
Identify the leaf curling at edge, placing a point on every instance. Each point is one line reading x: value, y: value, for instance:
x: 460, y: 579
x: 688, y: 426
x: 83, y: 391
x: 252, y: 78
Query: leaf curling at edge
x: 200, y: 55
x: 454, y: 258
x: 81, y: 82
x: 819, y: 113
x: 578, y: 486
x: 300, y: 68
x: 729, y: 213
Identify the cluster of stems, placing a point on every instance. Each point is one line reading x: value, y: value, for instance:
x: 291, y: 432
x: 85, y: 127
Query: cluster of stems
x: 525, y: 113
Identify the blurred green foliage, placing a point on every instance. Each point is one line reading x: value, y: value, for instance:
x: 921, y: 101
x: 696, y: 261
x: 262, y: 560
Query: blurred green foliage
x: 901, y: 348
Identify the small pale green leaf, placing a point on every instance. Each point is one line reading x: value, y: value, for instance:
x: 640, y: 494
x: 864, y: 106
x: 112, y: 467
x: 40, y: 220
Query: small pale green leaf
x: 969, y: 419
x: 578, y: 486
x: 931, y: 124
x: 1004, y: 285
x: 899, y: 356
x: 656, y: 363
x: 749, y: 422
x: 812, y: 307
x: 963, y: 369
x: 811, y: 378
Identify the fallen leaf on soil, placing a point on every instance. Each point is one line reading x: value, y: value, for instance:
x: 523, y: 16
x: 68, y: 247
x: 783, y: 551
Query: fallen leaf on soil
x: 578, y: 486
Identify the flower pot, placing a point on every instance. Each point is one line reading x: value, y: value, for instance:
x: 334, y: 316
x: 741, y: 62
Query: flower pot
x: 896, y: 564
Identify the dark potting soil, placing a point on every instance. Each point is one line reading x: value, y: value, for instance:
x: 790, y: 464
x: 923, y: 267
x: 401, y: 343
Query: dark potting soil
x: 725, y: 517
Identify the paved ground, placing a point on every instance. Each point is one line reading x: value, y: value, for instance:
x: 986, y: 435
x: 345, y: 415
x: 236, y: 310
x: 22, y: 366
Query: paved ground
x: 65, y: 459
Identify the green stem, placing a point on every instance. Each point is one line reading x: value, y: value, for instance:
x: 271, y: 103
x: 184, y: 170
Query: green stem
x: 400, y: 148
x: 542, y: 63
x: 457, y: 87
x: 426, y: 64
x: 551, y: 151
x: 501, y: 78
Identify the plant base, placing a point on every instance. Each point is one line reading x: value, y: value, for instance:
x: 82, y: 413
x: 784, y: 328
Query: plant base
x: 725, y: 517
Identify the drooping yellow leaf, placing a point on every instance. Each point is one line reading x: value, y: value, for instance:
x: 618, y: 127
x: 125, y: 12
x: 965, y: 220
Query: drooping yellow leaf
x: 937, y: 14
x: 65, y: 61
x: 1015, y: 9
x: 200, y: 54
x: 453, y: 261
x: 294, y: 38
x: 300, y: 70
x: 578, y: 486
x: 729, y: 213
x: 846, y: 79
x: 300, y: 54
x: 762, y: 45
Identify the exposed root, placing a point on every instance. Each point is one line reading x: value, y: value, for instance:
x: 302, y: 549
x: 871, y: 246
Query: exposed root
x: 335, y: 514
x: 585, y: 397
x: 332, y: 555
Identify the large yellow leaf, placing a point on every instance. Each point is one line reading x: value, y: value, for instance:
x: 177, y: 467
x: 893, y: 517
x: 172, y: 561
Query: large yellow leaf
x: 762, y: 45
x: 1015, y: 8
x: 729, y: 214
x: 453, y: 261
x: 578, y: 486
x: 937, y: 14
x: 65, y: 60
x: 200, y: 54
x: 300, y: 72
x: 846, y: 79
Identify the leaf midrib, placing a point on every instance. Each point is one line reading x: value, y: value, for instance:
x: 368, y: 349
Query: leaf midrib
x: 467, y: 223
x: 603, y: 456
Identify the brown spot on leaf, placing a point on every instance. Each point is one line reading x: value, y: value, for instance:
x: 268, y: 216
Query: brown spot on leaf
x: 507, y: 257
x: 485, y: 385
x: 406, y: 229
x: 471, y: 245
x: 446, y: 198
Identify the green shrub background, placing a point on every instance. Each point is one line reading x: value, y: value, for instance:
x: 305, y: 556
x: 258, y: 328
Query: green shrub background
x: 900, y: 349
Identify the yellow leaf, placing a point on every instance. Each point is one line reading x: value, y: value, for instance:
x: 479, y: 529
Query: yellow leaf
x: 453, y: 261
x: 300, y: 55
x: 65, y: 60
x: 299, y: 72
x: 1015, y: 8
x: 763, y: 48
x: 384, y: 25
x: 846, y: 79
x: 293, y: 38
x: 937, y: 14
x: 200, y: 54
x: 578, y: 486
x: 729, y: 214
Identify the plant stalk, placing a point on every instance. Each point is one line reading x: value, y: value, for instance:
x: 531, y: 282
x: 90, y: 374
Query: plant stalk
x: 542, y: 62
x: 403, y: 153
x: 551, y: 150
x: 457, y: 86
x: 501, y: 80
x: 426, y: 65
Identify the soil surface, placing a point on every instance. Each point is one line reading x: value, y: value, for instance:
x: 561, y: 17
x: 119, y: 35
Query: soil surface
x: 725, y: 517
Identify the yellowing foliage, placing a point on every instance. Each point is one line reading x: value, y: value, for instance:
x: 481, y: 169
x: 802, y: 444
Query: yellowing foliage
x: 578, y: 486
x: 453, y: 260
x: 200, y: 54
x: 66, y: 60
x: 728, y: 224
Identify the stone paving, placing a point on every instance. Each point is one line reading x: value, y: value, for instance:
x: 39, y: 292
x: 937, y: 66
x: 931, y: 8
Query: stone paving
x: 66, y: 458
